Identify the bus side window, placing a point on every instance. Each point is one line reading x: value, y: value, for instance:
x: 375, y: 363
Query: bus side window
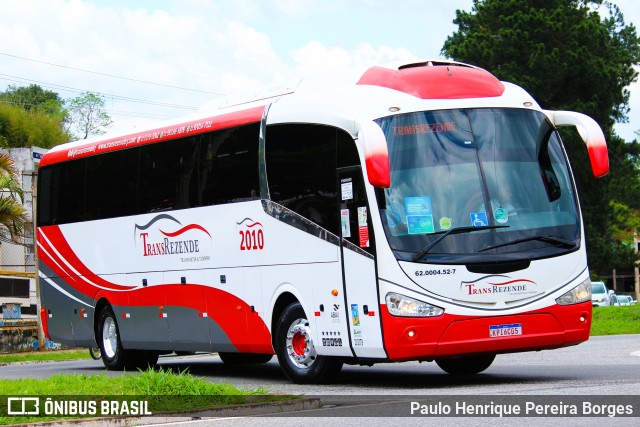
x: 229, y: 166
x: 301, y: 164
x: 167, y: 171
x: 68, y: 195
x: 112, y: 184
x: 45, y: 196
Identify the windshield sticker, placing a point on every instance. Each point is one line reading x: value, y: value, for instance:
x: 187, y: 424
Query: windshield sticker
x: 501, y: 215
x: 479, y: 219
x: 344, y: 220
x: 417, y: 205
x: 422, y: 224
x: 347, y: 189
x: 363, y: 228
x: 445, y: 223
x: 424, y: 128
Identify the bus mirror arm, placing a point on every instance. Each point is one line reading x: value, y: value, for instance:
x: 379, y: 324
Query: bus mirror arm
x: 376, y: 154
x: 591, y: 134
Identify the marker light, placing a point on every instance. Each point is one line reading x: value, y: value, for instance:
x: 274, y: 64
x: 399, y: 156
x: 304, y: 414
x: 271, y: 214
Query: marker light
x: 401, y: 305
x: 334, y: 292
x: 581, y: 293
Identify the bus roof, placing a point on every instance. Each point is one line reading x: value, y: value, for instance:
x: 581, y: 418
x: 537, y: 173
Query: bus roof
x: 339, y: 100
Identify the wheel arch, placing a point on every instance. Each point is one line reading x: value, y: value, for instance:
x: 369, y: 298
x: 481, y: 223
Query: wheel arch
x: 283, y: 301
x: 100, y: 305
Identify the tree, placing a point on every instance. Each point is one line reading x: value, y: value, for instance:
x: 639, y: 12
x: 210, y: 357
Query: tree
x: 568, y: 58
x: 21, y: 128
x: 35, y: 99
x: 12, y: 214
x: 87, y: 114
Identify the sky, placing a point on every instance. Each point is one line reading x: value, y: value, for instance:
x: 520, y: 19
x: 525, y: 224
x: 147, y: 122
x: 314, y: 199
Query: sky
x: 158, y: 60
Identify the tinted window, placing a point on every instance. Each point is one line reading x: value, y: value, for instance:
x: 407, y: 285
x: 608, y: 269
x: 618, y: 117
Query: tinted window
x: 213, y: 168
x: 61, y: 193
x: 112, y: 184
x: 168, y: 175
x: 301, y: 170
x: 229, y: 166
x: 45, y: 203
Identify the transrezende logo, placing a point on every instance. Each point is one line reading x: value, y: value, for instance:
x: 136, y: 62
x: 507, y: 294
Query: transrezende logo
x: 157, y: 242
x: 498, y: 284
x: 21, y: 406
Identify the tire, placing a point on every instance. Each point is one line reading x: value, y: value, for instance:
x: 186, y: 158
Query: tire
x: 295, y: 350
x: 244, y: 358
x: 95, y: 353
x: 466, y: 365
x: 114, y: 356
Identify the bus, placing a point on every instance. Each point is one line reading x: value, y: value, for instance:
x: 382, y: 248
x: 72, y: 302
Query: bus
x: 410, y: 212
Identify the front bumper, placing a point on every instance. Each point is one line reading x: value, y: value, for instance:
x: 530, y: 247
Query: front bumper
x: 452, y: 335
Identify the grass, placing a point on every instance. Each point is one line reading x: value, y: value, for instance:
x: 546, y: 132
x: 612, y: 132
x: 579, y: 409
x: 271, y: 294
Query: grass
x: 41, y: 356
x: 164, y: 391
x: 616, y: 320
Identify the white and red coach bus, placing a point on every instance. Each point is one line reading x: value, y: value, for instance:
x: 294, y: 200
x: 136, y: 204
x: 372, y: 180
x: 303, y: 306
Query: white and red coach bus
x: 418, y: 212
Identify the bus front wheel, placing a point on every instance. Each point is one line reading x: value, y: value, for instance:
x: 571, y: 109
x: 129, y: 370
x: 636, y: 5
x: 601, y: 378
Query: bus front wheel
x: 466, y: 365
x: 296, y: 352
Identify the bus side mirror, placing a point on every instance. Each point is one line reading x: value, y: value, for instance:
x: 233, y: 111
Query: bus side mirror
x: 376, y: 154
x: 590, y: 133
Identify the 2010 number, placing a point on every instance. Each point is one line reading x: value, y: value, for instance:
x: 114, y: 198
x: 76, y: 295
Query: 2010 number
x: 251, y: 240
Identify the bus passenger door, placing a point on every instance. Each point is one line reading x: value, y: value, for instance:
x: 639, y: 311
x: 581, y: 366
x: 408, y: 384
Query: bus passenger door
x: 359, y: 267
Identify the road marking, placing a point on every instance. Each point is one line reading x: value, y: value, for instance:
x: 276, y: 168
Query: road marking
x: 636, y: 353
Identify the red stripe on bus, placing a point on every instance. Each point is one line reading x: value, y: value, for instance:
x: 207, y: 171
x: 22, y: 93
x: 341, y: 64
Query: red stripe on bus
x: 185, y: 229
x: 67, y: 257
x: 166, y: 133
x: 437, y: 82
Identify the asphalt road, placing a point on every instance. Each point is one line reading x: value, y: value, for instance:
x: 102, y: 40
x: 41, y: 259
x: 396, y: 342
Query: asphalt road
x: 603, y: 366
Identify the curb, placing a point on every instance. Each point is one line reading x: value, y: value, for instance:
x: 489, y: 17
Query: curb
x: 245, y: 410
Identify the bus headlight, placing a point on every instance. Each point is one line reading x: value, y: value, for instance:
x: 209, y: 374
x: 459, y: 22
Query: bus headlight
x: 401, y: 305
x: 581, y: 293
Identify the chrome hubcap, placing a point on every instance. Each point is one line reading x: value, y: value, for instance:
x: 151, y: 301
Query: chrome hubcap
x: 299, y: 344
x: 109, y: 338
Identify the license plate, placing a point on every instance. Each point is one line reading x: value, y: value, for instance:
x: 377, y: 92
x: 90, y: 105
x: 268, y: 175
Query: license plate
x: 505, y: 330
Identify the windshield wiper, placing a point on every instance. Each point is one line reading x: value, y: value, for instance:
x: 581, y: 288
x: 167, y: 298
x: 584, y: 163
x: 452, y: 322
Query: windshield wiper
x: 456, y: 230
x: 567, y: 244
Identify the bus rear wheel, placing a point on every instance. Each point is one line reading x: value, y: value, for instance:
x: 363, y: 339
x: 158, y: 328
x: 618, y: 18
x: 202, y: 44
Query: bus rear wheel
x: 466, y: 365
x: 108, y: 339
x: 244, y: 358
x: 114, y: 356
x: 296, y: 352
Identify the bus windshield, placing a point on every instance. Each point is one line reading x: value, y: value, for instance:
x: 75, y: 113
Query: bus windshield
x: 477, y: 185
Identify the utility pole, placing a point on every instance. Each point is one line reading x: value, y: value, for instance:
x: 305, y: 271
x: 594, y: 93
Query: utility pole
x: 636, y: 266
x: 36, y: 154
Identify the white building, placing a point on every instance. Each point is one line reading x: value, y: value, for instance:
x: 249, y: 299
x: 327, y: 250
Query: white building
x: 17, y: 260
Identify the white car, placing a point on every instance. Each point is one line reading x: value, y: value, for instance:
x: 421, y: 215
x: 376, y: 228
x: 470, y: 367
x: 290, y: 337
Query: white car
x: 600, y: 294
